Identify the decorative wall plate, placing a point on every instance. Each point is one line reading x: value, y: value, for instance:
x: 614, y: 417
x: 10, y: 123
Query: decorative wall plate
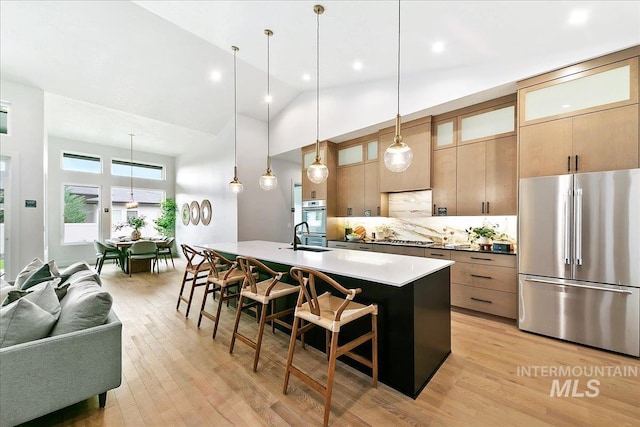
x: 194, y: 210
x: 185, y: 214
x: 205, y: 212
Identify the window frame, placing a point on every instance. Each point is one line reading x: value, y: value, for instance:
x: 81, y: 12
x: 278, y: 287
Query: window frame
x: 98, y: 216
x: 128, y: 163
x: 79, y: 154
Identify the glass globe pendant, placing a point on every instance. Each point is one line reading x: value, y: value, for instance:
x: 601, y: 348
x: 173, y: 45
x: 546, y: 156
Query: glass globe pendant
x: 317, y: 172
x: 268, y: 181
x: 398, y: 156
x: 235, y: 186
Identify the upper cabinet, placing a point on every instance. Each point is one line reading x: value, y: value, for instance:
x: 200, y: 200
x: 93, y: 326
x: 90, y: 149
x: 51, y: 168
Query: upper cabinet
x: 582, y: 118
x: 416, y: 134
x: 326, y: 190
x: 358, y: 192
x: 475, y: 160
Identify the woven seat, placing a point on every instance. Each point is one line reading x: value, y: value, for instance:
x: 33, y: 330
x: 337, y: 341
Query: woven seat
x: 196, y: 271
x: 263, y: 292
x: 331, y: 313
x: 105, y: 252
x: 225, y: 279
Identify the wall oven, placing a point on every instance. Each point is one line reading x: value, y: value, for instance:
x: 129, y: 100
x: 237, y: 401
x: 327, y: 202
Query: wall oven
x: 314, y: 212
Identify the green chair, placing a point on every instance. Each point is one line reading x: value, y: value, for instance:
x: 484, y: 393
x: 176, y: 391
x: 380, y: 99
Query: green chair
x: 164, y: 250
x: 104, y: 252
x: 143, y: 249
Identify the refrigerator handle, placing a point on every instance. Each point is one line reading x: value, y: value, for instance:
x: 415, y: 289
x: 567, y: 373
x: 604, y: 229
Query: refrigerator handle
x: 567, y: 220
x: 568, y: 164
x: 578, y: 225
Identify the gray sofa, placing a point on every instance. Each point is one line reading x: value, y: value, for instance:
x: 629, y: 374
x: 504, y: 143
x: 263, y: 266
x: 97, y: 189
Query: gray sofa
x: 41, y: 376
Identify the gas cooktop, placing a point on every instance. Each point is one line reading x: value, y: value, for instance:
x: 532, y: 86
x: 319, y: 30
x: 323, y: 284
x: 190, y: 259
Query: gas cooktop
x: 424, y: 243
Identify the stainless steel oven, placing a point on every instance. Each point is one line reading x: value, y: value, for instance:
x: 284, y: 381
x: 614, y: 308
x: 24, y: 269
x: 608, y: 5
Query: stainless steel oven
x: 314, y: 213
x: 311, y: 240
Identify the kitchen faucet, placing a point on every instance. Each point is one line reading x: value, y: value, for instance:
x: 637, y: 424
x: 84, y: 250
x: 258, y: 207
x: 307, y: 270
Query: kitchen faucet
x: 296, y: 240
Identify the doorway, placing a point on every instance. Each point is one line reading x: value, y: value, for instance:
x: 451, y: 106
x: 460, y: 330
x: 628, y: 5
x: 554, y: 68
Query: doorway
x: 296, y: 199
x: 5, y: 165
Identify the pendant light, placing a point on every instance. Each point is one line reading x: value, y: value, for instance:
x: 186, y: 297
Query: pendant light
x: 268, y: 181
x: 131, y: 204
x: 398, y: 155
x: 317, y: 172
x: 235, y: 186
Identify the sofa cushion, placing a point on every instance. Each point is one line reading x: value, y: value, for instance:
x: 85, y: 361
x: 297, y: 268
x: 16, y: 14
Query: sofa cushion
x: 75, y: 267
x: 59, y: 288
x: 29, y: 318
x: 82, y: 276
x: 5, y: 288
x: 86, y: 305
x: 44, y: 273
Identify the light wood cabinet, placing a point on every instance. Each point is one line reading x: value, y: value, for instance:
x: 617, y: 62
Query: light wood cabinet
x: 485, y: 283
x: 375, y: 203
x: 600, y: 141
x: 444, y: 182
x: 486, y: 177
x: 355, y: 246
x: 417, y: 134
x: 326, y: 190
x: 350, y: 191
x: 437, y: 253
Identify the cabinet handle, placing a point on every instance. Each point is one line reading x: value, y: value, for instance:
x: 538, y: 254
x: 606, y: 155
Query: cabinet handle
x: 434, y: 210
x: 436, y: 255
x: 482, y: 259
x: 313, y: 194
x: 481, y: 277
x: 487, y: 207
x: 341, y: 246
x: 378, y: 210
x: 348, y: 211
x: 576, y: 163
x: 482, y: 300
x: 363, y: 247
x: 482, y: 207
x: 568, y: 163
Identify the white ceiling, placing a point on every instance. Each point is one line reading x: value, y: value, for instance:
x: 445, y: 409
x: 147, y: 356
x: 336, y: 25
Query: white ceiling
x: 144, y: 66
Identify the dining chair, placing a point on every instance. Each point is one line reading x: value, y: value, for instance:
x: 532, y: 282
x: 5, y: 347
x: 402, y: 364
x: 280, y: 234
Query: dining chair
x: 331, y: 313
x: 264, y: 292
x: 164, y: 250
x: 105, y: 252
x: 143, y: 249
x: 225, y: 278
x: 196, y: 271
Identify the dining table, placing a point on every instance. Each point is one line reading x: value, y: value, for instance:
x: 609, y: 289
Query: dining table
x: 138, y: 265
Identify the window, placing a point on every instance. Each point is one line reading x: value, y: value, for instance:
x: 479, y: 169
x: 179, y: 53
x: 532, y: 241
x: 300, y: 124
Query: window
x: 81, y: 214
x: 81, y: 163
x: 4, y: 118
x: 140, y: 170
x: 148, y: 207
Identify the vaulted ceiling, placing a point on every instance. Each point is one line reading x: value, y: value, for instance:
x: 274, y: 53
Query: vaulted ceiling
x: 115, y: 66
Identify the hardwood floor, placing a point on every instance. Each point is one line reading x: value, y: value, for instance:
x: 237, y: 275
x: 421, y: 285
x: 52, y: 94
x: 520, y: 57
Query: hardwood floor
x: 174, y: 374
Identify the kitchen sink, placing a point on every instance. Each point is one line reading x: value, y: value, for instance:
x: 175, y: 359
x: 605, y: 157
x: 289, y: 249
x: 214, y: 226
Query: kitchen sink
x: 309, y: 249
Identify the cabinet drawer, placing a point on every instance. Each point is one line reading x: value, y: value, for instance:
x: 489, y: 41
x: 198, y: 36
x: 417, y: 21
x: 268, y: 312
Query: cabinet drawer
x: 484, y: 258
x: 485, y: 300
x: 350, y: 245
x: 485, y: 276
x: 437, y: 253
x: 400, y: 250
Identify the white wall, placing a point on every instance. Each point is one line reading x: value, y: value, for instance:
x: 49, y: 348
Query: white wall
x: 25, y: 144
x: 254, y: 214
x: 57, y: 178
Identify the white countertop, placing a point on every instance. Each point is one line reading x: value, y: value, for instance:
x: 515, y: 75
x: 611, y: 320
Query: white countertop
x: 389, y: 269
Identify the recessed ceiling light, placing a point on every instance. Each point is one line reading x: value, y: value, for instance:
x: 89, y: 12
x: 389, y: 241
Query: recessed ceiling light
x: 437, y: 47
x: 268, y: 98
x: 566, y: 105
x: 578, y: 16
x: 357, y: 65
x: 216, y: 75
x: 306, y: 77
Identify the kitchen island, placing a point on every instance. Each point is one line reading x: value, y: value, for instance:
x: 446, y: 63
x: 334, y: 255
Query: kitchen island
x: 413, y: 297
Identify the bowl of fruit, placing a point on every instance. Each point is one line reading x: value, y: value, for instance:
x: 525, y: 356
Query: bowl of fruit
x: 354, y: 237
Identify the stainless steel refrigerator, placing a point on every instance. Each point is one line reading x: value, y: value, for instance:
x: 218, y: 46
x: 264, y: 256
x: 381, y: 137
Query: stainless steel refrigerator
x: 579, y: 258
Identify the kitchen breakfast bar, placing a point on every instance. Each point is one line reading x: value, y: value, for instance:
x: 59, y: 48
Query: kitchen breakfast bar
x: 412, y: 294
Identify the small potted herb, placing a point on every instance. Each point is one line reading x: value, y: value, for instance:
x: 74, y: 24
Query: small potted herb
x: 482, y: 235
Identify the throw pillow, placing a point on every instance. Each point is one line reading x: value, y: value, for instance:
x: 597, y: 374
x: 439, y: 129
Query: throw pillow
x: 44, y: 273
x: 29, y: 318
x: 27, y: 271
x: 58, y: 288
x: 86, y: 305
x: 5, y: 288
x: 75, y: 267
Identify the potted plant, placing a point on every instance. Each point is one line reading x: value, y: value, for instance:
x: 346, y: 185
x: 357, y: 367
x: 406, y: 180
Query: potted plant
x: 165, y: 224
x: 135, y: 222
x: 482, y: 235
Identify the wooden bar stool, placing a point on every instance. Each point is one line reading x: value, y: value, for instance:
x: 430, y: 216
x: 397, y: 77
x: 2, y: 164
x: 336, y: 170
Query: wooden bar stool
x: 330, y: 313
x: 221, y: 279
x: 196, y: 271
x: 264, y: 292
